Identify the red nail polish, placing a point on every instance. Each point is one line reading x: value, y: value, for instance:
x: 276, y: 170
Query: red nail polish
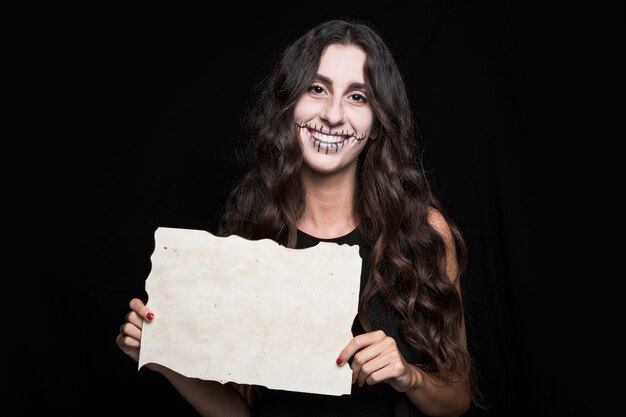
x: 339, y: 361
x: 150, y: 316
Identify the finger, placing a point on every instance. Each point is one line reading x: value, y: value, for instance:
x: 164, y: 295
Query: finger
x: 366, y: 361
x: 125, y: 344
x: 375, y: 368
x: 358, y: 343
x: 140, y: 308
x: 383, y: 374
x: 130, y: 330
x: 134, y: 319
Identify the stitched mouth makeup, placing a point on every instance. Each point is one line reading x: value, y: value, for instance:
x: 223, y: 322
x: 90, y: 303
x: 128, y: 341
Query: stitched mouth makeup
x: 326, y: 140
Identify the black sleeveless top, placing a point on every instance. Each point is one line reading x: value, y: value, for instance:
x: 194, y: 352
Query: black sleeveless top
x: 379, y: 400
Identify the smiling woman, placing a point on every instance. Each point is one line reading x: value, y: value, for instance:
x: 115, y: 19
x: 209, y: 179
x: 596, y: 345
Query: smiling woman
x: 332, y: 157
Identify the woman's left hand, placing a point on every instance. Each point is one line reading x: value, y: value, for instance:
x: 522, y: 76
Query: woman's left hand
x: 377, y: 359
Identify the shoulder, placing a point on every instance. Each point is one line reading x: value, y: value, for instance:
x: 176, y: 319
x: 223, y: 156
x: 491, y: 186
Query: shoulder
x: 441, y: 226
x: 439, y: 223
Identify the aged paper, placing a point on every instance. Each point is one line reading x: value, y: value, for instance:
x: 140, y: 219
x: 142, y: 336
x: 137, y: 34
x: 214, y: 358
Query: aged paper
x: 252, y: 312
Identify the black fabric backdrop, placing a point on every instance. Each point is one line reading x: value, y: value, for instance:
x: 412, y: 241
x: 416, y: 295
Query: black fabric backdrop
x: 496, y: 88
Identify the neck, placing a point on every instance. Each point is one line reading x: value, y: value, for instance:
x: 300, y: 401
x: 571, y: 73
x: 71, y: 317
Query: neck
x: 329, y: 210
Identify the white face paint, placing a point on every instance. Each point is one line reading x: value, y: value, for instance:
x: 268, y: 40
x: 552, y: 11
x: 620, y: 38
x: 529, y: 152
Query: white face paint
x: 334, y: 116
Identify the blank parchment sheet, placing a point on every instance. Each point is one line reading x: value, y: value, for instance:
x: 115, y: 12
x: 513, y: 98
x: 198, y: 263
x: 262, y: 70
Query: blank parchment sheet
x: 251, y: 312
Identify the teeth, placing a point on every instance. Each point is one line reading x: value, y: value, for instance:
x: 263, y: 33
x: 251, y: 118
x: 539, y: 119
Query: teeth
x: 328, y: 138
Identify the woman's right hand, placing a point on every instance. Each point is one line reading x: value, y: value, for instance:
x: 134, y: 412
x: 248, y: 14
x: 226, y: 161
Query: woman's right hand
x: 129, y: 338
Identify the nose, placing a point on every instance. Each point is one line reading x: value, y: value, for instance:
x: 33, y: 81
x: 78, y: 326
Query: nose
x: 333, y: 113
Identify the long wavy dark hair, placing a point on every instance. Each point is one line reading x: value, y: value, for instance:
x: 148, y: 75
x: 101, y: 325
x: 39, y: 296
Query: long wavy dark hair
x: 392, y: 200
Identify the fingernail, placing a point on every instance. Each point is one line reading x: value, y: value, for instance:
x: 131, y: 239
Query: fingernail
x: 339, y: 361
x: 150, y: 316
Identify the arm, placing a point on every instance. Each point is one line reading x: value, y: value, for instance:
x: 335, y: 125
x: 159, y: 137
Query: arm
x: 209, y: 398
x: 425, y: 389
x: 377, y: 357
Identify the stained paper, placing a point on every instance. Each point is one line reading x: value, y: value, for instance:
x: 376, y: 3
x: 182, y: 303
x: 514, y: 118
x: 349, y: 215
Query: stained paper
x: 251, y: 312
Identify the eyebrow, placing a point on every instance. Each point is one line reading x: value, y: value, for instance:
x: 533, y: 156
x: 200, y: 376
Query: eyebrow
x: 326, y: 80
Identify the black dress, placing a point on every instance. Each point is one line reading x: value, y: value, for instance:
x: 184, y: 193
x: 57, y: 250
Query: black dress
x: 379, y: 400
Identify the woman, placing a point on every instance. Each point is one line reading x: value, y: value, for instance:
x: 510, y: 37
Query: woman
x: 332, y: 158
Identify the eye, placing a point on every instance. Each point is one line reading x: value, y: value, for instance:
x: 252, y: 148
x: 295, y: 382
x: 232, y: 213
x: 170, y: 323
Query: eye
x: 358, y: 98
x: 316, y: 89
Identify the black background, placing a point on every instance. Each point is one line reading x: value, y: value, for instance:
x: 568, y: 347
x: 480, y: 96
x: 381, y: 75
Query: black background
x: 511, y: 103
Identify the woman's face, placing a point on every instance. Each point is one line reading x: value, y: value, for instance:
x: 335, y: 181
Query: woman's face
x: 333, y: 115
